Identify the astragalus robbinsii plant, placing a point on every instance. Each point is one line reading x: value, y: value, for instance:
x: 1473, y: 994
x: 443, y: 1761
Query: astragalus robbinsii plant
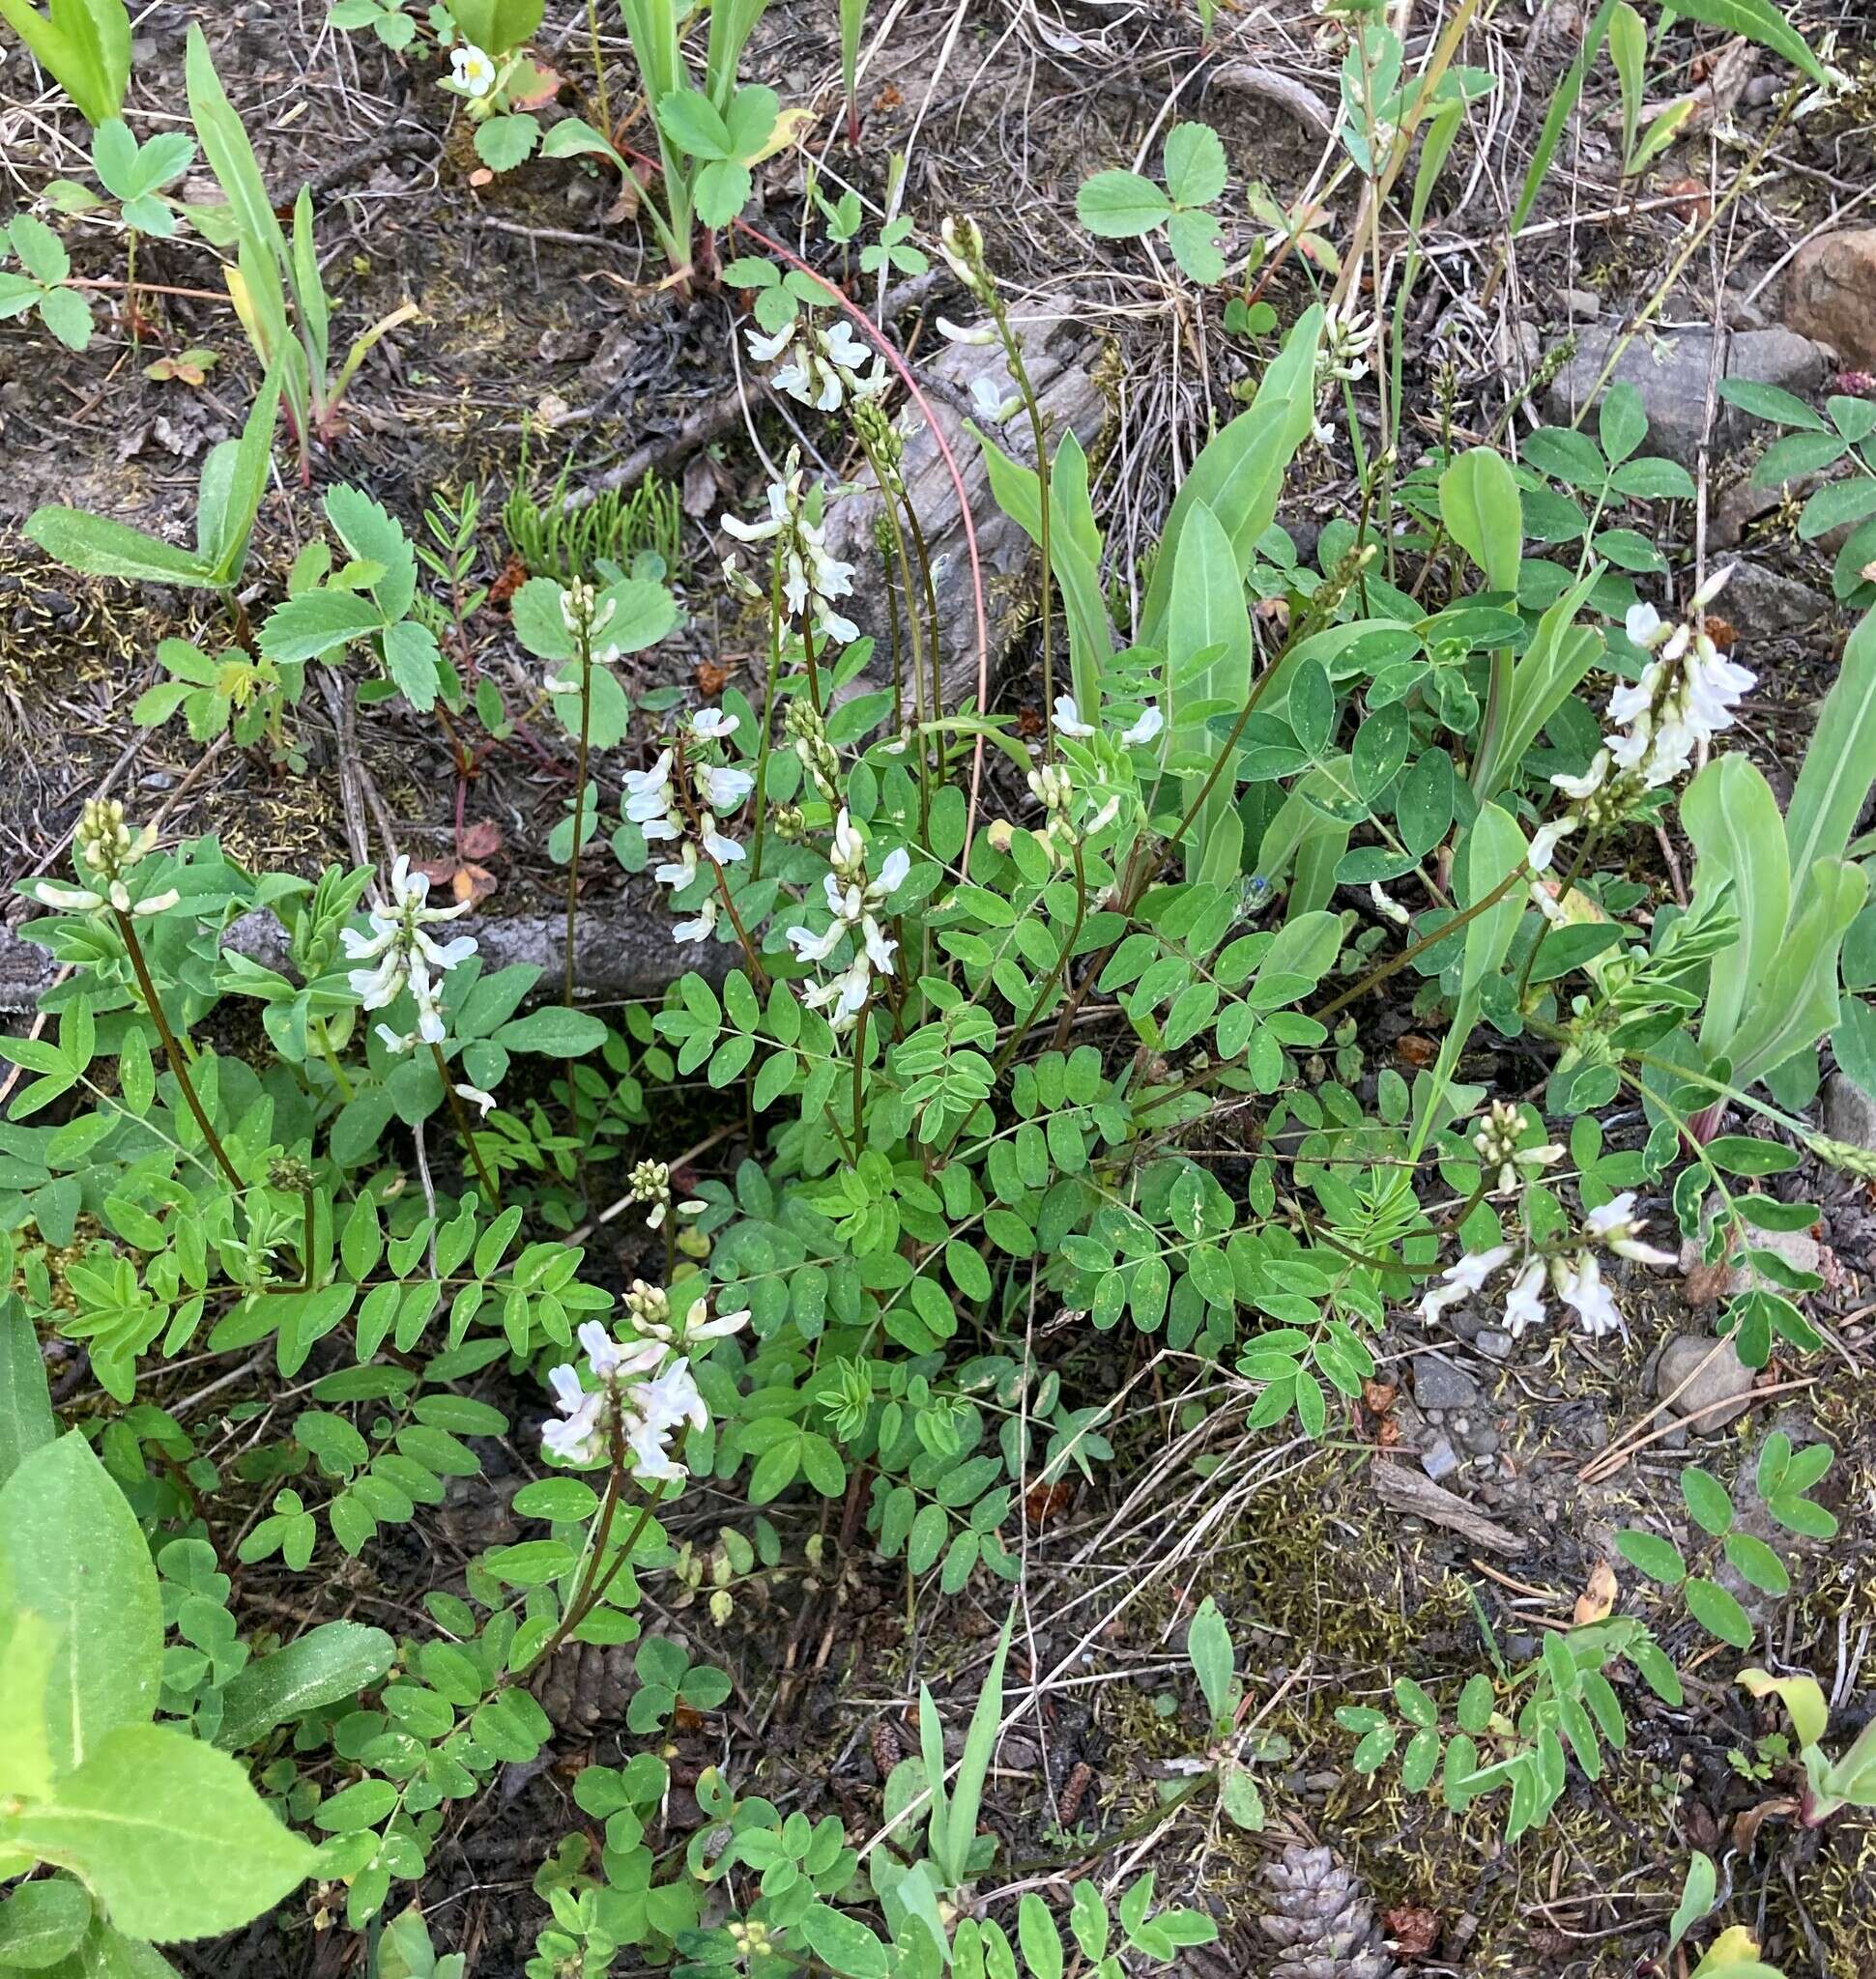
x: 911, y: 1145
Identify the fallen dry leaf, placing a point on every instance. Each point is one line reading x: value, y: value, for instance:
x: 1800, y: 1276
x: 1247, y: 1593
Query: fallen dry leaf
x: 1412, y: 1929
x: 1597, y: 1600
x: 711, y: 679
x: 466, y: 881
x: 514, y: 574
x: 480, y: 840
x: 1416, y: 1050
x: 1379, y: 1396
x: 1746, y: 1826
x: 1045, y: 1501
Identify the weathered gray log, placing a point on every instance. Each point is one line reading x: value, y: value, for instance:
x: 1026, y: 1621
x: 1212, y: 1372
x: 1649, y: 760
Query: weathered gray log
x: 1059, y: 361
x: 623, y: 949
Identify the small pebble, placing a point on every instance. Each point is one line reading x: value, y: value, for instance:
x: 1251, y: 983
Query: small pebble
x: 1495, y: 1343
x: 1440, y: 1461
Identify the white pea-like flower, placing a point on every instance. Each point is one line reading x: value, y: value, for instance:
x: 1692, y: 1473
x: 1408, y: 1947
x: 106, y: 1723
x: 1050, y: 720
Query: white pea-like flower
x: 1461, y: 1281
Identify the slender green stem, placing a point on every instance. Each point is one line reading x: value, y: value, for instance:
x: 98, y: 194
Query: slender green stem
x: 579, y: 810
x: 464, y: 1128
x: 599, y: 70
x: 1518, y: 876
x: 172, y: 1049
x: 1033, y: 405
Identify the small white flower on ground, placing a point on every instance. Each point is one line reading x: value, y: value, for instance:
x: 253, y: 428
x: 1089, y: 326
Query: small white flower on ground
x: 1524, y: 1303
x: 471, y: 70
x: 1461, y: 1281
x: 1579, y: 1285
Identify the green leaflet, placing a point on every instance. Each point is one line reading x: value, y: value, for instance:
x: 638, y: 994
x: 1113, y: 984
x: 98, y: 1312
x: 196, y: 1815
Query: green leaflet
x: 1240, y: 473
x: 1758, y: 20
x: 1732, y: 818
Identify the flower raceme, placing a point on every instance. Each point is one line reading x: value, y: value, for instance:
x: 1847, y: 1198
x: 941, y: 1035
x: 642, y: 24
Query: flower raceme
x: 716, y: 790
x: 854, y: 902
x: 827, y: 364
x: 811, y: 578
x: 1685, y: 696
x: 643, y: 1413
x: 105, y: 854
x: 1575, y: 1276
x: 406, y: 956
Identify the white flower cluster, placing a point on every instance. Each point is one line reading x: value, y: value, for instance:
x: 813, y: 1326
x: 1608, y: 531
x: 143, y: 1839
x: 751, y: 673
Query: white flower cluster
x: 826, y: 366
x: 406, y: 956
x: 853, y: 903
x: 1686, y: 695
x: 587, y: 618
x: 1577, y: 1277
x: 652, y: 803
x: 105, y: 852
x: 1068, y: 722
x: 651, y: 1184
x: 1496, y: 1144
x: 644, y: 1412
x: 811, y: 578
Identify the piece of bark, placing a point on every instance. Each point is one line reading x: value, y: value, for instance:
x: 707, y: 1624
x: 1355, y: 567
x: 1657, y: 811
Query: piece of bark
x: 1405, y: 1490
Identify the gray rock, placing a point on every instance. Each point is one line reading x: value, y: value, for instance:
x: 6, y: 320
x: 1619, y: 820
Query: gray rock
x: 1438, y: 1385
x: 1761, y: 604
x: 1798, y: 1247
x: 1495, y: 1343
x: 1439, y: 1461
x: 1481, y: 1439
x: 1849, y: 1112
x: 1671, y: 373
x: 1718, y: 1389
x: 1580, y: 305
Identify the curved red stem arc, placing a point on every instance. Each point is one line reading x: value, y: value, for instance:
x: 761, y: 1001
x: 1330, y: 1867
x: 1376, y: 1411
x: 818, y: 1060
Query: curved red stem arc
x: 888, y: 350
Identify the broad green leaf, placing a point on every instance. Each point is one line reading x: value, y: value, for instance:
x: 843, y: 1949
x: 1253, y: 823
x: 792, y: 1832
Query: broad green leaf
x: 1208, y: 1643
x: 71, y: 1552
x: 1560, y: 654
x: 1209, y: 612
x: 1696, y: 1897
x: 1802, y: 1697
x: 1495, y: 850
x: 1730, y: 813
x: 1798, y: 1003
x: 102, y: 548
x: 1706, y: 1501
x: 83, y: 44
x: 1240, y: 474
x: 336, y: 1660
x: 26, y: 1420
x: 167, y: 1834
x: 1839, y: 764
x: 1074, y: 551
x: 1479, y: 504
x: 1758, y: 20
x: 318, y: 622
x: 28, y: 1646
